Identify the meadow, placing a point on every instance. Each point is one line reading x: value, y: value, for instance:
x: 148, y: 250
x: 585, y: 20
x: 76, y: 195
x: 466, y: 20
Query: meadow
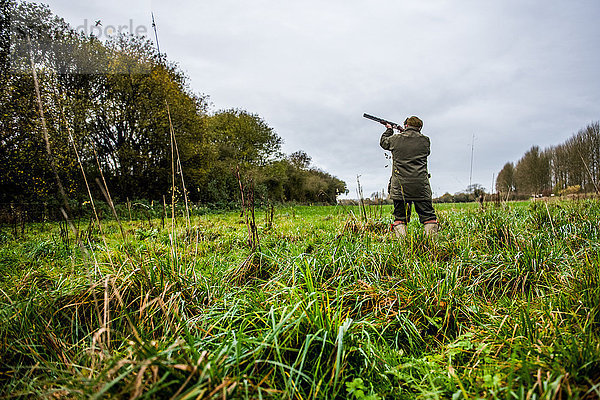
x: 317, y: 302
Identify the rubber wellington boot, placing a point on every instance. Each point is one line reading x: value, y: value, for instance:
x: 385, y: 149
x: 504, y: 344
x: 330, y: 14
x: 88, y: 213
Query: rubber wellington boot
x: 431, y: 228
x: 399, y: 229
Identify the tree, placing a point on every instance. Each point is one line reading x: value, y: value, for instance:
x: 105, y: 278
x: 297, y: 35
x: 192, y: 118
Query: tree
x: 300, y: 159
x: 505, y: 181
x: 476, y: 190
x: 130, y: 116
x: 26, y: 165
x: 532, y: 172
x: 238, y: 139
x: 117, y: 103
x: 243, y: 138
x: 576, y: 162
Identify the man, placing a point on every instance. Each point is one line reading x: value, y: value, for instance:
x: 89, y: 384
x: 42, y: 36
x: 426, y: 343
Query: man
x: 409, y: 183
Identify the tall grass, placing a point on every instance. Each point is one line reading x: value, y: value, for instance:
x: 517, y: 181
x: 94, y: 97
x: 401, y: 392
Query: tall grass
x: 504, y: 303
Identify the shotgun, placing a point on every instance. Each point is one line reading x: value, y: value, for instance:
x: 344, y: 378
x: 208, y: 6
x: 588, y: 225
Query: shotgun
x: 384, y: 122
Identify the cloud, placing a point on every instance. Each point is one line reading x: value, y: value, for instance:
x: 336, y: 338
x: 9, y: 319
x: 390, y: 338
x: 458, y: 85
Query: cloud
x: 512, y: 73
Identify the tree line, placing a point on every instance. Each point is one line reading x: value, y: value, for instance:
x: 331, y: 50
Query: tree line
x: 570, y: 167
x: 117, y: 111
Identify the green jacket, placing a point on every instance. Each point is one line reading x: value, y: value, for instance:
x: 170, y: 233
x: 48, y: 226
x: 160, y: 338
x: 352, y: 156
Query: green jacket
x: 410, y: 178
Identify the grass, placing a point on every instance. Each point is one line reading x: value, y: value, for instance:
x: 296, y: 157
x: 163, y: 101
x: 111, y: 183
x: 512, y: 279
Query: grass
x: 504, y: 303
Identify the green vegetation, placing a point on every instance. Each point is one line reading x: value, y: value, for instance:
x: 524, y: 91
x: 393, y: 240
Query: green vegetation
x: 572, y: 166
x: 504, y: 303
x: 125, y: 115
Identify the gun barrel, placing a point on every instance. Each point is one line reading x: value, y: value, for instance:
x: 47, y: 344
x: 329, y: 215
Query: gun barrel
x: 371, y: 117
x: 383, y: 121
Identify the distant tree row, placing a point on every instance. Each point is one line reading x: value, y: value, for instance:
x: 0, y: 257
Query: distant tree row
x: 123, y: 113
x: 568, y: 167
x: 472, y: 193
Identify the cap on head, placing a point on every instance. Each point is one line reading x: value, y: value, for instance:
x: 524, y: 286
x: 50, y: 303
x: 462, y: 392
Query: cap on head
x: 414, y: 121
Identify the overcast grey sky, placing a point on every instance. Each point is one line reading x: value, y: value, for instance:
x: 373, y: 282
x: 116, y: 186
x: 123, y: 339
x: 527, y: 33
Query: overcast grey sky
x: 514, y: 73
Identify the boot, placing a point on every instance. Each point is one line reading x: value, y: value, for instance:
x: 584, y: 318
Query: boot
x: 431, y: 228
x: 399, y: 229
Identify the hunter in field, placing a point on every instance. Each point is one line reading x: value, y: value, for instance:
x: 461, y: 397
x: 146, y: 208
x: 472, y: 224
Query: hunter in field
x: 409, y: 183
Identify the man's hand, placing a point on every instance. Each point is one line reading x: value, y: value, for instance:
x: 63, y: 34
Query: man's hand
x: 388, y: 126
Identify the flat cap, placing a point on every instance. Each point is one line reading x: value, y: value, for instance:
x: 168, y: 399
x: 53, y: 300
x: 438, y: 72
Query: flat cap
x: 414, y: 121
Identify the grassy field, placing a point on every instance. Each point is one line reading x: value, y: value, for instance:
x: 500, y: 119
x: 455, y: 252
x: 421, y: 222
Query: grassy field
x: 504, y: 303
